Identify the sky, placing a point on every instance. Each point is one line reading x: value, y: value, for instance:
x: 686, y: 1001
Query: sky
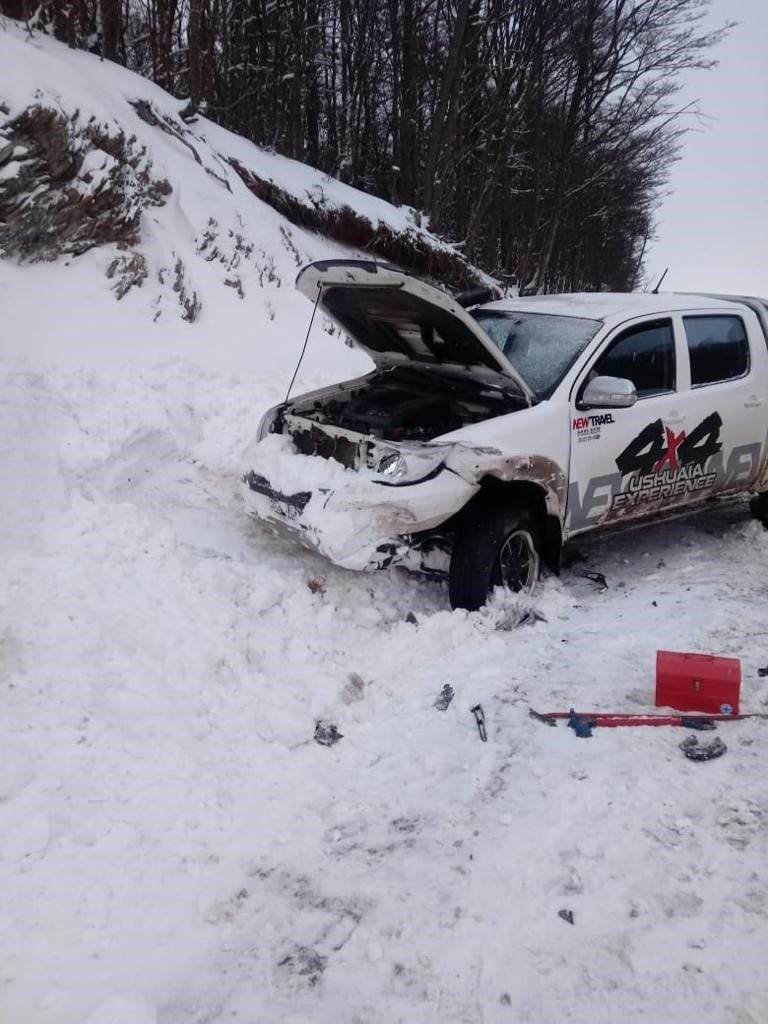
x: 712, y: 228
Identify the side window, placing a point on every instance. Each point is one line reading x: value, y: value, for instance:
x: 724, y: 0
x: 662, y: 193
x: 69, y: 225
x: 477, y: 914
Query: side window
x: 645, y: 355
x: 717, y: 347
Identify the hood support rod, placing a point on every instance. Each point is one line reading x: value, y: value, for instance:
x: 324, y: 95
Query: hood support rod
x: 306, y: 340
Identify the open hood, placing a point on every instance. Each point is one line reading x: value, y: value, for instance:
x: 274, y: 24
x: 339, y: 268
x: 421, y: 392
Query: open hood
x: 397, y: 319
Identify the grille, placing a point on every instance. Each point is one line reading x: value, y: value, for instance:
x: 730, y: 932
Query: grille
x: 315, y: 442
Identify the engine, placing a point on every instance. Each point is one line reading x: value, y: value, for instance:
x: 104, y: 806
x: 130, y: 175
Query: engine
x: 399, y: 404
x: 396, y: 413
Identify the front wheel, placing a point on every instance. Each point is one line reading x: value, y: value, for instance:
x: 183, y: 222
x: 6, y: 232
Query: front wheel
x: 759, y: 507
x: 499, y: 545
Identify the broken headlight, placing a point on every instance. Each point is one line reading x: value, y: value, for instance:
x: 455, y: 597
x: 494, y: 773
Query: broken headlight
x: 409, y: 465
x: 267, y: 422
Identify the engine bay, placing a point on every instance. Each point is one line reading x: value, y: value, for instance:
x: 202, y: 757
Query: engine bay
x: 410, y: 404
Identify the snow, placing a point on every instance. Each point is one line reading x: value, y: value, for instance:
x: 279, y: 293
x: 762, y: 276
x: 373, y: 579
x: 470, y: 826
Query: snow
x: 610, y: 307
x: 174, y: 846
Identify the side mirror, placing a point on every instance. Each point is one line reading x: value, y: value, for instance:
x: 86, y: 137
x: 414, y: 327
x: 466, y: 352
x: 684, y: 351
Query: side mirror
x: 608, y: 393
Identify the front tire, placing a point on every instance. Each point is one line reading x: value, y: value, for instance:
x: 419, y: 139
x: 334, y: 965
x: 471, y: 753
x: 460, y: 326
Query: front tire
x: 759, y: 507
x: 498, y: 545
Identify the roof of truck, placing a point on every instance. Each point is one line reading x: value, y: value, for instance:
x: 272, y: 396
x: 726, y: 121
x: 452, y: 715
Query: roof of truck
x: 611, y: 306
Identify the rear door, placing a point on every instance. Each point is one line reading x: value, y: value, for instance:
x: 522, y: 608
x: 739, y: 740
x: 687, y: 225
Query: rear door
x: 727, y: 388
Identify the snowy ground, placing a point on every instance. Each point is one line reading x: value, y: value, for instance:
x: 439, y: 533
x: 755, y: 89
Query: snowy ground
x: 174, y: 846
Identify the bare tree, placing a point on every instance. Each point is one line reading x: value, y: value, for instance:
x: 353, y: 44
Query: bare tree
x: 535, y: 133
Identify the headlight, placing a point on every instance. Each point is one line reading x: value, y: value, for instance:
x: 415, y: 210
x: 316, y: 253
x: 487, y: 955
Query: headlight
x: 393, y: 467
x: 409, y: 465
x: 266, y: 422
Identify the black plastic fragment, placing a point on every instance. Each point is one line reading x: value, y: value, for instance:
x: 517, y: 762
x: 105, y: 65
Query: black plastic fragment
x: 479, y: 714
x: 596, y: 577
x: 702, y: 752
x: 567, y: 915
x: 327, y: 734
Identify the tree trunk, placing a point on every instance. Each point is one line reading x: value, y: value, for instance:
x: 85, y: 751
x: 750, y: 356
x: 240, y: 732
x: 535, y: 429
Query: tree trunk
x: 440, y: 116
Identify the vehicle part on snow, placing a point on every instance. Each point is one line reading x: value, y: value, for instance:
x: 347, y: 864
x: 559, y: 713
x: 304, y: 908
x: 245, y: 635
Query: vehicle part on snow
x: 596, y: 577
x: 444, y: 700
x: 697, y: 682
x: 479, y: 714
x: 696, y: 751
x: 496, y: 545
x: 326, y: 734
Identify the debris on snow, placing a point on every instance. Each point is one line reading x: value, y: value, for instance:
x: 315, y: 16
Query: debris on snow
x: 326, y: 734
x: 596, y: 577
x: 479, y: 714
x: 303, y: 966
x: 696, y: 751
x: 317, y: 585
x: 353, y: 690
x: 505, y: 613
x: 444, y: 700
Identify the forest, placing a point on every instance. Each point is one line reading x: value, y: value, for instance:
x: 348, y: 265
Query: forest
x: 535, y: 135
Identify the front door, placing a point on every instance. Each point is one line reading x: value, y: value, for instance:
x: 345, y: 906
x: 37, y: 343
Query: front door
x: 619, y: 456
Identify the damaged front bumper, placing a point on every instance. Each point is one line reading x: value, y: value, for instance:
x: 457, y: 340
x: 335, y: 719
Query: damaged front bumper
x: 356, y: 522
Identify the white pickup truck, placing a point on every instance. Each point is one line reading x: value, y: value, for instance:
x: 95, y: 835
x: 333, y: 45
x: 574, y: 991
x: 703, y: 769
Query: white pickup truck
x: 484, y: 439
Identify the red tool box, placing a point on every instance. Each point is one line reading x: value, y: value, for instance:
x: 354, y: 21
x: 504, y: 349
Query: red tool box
x: 698, y: 682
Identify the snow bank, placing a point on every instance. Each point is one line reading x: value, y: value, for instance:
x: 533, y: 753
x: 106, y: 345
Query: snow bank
x: 174, y: 846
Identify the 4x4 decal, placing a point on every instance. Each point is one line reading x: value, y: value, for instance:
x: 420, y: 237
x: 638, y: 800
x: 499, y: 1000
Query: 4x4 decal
x: 659, y: 465
x: 662, y: 464
x: 657, y: 447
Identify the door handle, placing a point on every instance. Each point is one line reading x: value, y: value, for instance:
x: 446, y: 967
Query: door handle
x: 674, y: 419
x: 753, y: 402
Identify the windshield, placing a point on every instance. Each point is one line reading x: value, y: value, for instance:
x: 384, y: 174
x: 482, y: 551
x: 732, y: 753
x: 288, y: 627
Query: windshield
x: 540, y: 346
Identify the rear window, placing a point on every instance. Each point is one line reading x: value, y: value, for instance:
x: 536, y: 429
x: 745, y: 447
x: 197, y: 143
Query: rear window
x: 541, y: 346
x: 717, y: 348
